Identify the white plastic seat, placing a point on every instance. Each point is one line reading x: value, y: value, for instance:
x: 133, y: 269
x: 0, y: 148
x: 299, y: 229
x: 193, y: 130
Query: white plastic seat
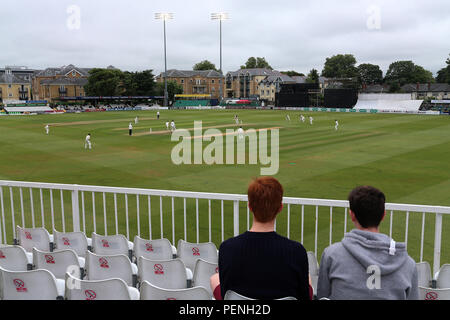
x: 151, y: 292
x: 203, y: 271
x: 156, y: 249
x: 28, y: 238
x: 57, y: 262
x: 110, y: 245
x: 189, y: 252
x: 30, y: 285
x: 14, y: 258
x: 109, y: 289
x: 101, y: 267
x: 424, y: 274
x: 443, y: 277
x: 233, y: 295
x: 313, y: 267
x: 434, y: 294
x: 168, y: 274
x: 75, y: 240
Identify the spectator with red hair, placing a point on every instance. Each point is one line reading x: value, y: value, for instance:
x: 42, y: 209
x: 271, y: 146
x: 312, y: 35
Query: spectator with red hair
x: 260, y: 263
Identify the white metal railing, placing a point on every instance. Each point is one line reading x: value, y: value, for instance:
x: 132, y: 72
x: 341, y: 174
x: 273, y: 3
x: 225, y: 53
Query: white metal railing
x: 21, y: 202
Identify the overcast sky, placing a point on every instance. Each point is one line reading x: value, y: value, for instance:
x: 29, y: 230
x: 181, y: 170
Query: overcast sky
x: 291, y: 34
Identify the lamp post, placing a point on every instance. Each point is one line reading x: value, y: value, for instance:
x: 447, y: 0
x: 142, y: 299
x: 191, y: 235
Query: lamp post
x: 221, y: 16
x: 164, y: 17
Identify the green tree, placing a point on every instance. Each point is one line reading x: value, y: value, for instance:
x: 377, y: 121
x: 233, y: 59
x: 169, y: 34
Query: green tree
x: 205, y: 65
x: 403, y: 72
x: 313, y: 76
x: 173, y: 88
x: 104, y: 82
x: 340, y: 66
x: 369, y: 74
x: 257, y: 62
x: 443, y: 75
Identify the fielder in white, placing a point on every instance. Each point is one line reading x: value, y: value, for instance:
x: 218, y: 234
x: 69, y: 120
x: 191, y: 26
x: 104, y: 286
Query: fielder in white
x: 167, y: 125
x: 336, y: 125
x: 288, y: 118
x: 136, y: 120
x: 240, y: 132
x: 311, y: 120
x: 302, y: 118
x: 87, y: 142
x: 47, y: 129
x: 172, y: 126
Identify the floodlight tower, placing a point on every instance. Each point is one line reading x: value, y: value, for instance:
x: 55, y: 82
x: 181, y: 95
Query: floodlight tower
x: 164, y: 17
x: 221, y: 16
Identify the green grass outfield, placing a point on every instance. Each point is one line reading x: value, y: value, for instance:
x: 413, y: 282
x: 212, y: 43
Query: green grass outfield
x: 406, y: 156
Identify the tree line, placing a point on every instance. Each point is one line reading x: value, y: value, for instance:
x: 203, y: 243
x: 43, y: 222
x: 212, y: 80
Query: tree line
x: 114, y: 82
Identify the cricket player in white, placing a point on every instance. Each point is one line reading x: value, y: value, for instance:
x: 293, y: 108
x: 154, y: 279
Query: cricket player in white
x: 136, y: 120
x: 172, y: 126
x: 302, y: 117
x: 157, y: 115
x: 47, y: 129
x: 236, y: 119
x: 311, y: 120
x: 167, y: 125
x: 288, y: 118
x: 87, y: 142
x: 240, y: 132
x: 336, y: 125
x: 130, y: 129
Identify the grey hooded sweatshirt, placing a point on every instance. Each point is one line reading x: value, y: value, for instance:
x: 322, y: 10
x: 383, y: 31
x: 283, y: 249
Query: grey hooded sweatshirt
x: 367, y: 266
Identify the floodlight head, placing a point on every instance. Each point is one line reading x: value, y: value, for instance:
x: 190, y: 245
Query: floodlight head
x: 163, y: 16
x: 219, y: 16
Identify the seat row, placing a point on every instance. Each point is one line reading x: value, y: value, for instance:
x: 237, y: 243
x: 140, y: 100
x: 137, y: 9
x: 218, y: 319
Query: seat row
x: 72, y: 256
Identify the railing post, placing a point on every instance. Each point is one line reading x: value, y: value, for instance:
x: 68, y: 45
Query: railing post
x: 236, y: 217
x: 437, y: 243
x: 75, y: 210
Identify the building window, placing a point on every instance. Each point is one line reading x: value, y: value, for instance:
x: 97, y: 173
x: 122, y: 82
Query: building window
x: 212, y: 81
x: 182, y: 80
x: 197, y: 81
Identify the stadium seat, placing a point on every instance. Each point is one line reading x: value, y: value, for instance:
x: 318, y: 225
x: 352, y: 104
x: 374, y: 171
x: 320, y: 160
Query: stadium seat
x: 151, y: 292
x: 443, y: 277
x: 157, y: 249
x: 189, y: 252
x: 110, y: 245
x: 313, y: 266
x: 232, y: 295
x: 76, y: 241
x: 101, y: 267
x: 424, y: 273
x: 57, y: 262
x: 30, y: 285
x: 434, y: 293
x: 109, y: 289
x: 168, y: 274
x: 14, y: 258
x: 33, y: 237
x: 203, y: 271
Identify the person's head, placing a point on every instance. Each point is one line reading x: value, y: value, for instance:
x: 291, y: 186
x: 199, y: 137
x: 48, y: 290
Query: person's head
x: 265, y: 197
x: 367, y: 206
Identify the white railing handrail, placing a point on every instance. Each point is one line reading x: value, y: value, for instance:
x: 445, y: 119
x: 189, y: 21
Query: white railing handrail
x: 214, y: 196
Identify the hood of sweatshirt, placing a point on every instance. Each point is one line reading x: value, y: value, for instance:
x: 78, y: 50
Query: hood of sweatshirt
x: 370, y: 248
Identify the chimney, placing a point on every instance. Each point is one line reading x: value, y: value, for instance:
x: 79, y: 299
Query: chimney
x: 417, y: 86
x: 429, y: 86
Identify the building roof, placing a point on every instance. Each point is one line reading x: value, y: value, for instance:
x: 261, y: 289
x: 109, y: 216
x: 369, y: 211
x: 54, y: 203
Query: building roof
x: 254, y: 72
x: 12, y: 79
x: 426, y: 87
x: 62, y: 71
x: 173, y: 73
x: 375, y: 88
